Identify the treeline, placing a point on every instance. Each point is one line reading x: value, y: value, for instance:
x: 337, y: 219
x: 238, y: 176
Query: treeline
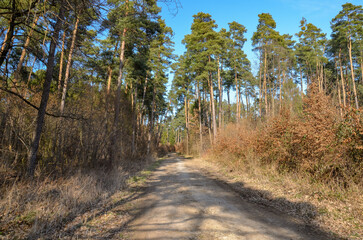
x: 215, y: 64
x: 82, y: 83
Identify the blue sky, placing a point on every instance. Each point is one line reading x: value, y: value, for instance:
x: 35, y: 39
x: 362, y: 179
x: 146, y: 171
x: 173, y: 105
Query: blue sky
x: 286, y: 13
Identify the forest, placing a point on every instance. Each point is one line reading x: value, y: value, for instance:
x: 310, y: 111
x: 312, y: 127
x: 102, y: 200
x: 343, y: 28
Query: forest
x: 82, y: 83
x: 301, y: 111
x: 84, y: 97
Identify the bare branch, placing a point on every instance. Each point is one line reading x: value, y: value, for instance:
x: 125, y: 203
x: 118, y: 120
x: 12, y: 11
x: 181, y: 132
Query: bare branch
x: 37, y: 108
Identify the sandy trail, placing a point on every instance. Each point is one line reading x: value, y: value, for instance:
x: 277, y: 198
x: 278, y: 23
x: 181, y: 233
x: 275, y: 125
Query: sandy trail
x: 183, y: 203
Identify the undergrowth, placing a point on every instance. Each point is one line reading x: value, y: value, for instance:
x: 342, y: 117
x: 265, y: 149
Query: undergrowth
x: 38, y: 208
x: 316, y: 143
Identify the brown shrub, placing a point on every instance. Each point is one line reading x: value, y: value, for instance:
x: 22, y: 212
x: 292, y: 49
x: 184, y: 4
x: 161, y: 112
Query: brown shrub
x: 235, y: 139
x: 316, y: 143
x: 350, y: 138
x: 235, y: 143
x: 304, y: 143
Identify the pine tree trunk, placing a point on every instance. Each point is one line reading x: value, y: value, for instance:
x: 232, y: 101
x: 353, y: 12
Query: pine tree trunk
x: 5, y: 38
x: 23, y: 52
x: 301, y: 82
x: 58, y: 132
x: 283, y: 82
x: 151, y: 121
x: 340, y: 102
x: 200, y: 119
x: 247, y: 104
x: 7, y: 45
x: 213, y: 109
x: 134, y: 124
x: 143, y: 101
x: 144, y: 93
x: 342, y: 81
x: 61, y: 63
x: 229, y: 105
x: 317, y: 75
x: 322, y: 77
x: 186, y: 123
x: 208, y: 115
x: 308, y: 77
x: 339, y: 94
x: 280, y: 95
x: 220, y: 90
x: 265, y: 82
x: 115, y: 132
x: 119, y: 78
x: 237, y: 96
x: 273, y: 99
x: 361, y: 71
x: 242, y: 106
x: 109, y: 72
x: 4, y: 120
x: 352, y: 72
x: 260, y: 88
x: 68, y: 68
x: 212, y: 105
x: 361, y: 67
x: 348, y: 87
x: 32, y: 159
x: 109, y: 79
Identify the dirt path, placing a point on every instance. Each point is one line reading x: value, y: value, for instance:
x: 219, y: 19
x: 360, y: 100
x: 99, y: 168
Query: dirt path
x: 183, y: 203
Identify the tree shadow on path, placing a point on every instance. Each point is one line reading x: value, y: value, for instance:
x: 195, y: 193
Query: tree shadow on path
x: 183, y: 203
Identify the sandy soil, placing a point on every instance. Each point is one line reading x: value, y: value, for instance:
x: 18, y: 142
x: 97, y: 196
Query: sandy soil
x: 182, y: 202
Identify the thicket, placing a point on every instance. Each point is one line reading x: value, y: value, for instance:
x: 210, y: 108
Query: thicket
x: 315, y: 143
x: 67, y: 143
x: 74, y: 173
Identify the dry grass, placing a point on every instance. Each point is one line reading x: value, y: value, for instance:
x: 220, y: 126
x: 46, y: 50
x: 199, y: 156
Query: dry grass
x: 38, y: 208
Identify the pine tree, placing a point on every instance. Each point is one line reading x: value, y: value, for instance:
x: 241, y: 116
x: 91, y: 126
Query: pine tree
x: 32, y: 159
x: 161, y: 54
x: 203, y: 45
x: 348, y: 24
x: 182, y: 89
x: 262, y: 40
x: 310, y: 52
x: 237, y: 60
